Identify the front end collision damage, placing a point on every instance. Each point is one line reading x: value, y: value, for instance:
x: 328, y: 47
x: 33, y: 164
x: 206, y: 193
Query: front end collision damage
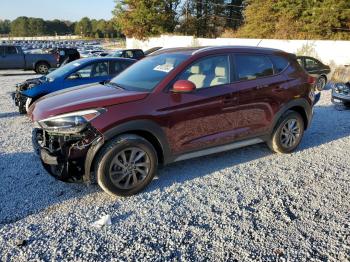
x: 64, y: 155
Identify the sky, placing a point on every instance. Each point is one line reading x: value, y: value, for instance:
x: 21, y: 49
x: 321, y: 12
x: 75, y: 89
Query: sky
x: 61, y: 9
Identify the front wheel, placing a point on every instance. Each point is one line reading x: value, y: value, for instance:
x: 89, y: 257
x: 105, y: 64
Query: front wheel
x: 288, y: 133
x: 126, y: 165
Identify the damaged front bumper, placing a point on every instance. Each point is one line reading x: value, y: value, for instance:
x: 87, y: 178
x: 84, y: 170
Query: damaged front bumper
x: 64, y: 155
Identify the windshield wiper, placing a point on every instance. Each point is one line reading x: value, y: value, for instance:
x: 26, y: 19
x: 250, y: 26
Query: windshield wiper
x: 114, y: 85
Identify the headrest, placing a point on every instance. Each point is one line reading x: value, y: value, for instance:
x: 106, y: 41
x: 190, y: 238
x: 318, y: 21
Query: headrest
x: 195, y: 70
x: 220, y: 71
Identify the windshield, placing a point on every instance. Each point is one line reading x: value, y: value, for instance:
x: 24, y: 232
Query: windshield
x: 62, y: 70
x: 117, y: 54
x: 147, y: 73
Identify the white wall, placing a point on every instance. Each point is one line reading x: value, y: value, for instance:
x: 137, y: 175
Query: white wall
x: 329, y: 52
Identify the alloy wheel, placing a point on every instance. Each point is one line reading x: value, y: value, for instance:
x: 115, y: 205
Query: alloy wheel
x: 290, y: 133
x: 43, y: 69
x: 129, y: 168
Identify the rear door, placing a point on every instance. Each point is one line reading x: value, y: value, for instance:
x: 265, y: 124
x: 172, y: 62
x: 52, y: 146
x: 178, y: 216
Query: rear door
x: 261, y: 89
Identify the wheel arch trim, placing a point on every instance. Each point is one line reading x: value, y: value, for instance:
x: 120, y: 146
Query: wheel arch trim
x: 132, y: 127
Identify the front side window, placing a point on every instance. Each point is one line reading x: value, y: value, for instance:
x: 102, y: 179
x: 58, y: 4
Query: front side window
x: 129, y: 54
x: 92, y: 70
x: 147, y: 73
x: 249, y: 67
x: 208, y: 72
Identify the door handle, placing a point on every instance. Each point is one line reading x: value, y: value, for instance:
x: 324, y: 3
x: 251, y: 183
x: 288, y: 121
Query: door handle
x: 229, y: 100
x: 262, y: 86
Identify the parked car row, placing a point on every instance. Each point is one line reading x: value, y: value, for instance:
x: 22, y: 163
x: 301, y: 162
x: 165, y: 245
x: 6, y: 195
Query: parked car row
x: 172, y: 105
x: 80, y: 72
x: 50, y: 44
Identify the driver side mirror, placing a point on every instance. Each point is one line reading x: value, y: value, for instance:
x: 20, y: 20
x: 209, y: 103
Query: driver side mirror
x: 183, y: 86
x: 74, y: 76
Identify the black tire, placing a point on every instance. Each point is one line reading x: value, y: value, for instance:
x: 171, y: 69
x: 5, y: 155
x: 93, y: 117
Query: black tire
x: 22, y: 108
x: 115, y: 149
x: 321, y: 83
x: 42, y: 68
x: 346, y: 104
x: 278, y: 139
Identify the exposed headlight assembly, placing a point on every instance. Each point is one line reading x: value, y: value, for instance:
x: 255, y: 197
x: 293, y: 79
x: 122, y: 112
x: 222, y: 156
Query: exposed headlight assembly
x: 70, y: 123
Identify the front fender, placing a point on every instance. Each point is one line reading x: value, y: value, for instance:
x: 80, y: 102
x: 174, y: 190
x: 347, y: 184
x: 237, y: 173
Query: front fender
x: 131, y: 127
x: 43, y: 89
x: 36, y: 91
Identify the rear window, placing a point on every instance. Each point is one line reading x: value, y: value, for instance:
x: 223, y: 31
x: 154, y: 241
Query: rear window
x: 280, y: 63
x: 249, y: 67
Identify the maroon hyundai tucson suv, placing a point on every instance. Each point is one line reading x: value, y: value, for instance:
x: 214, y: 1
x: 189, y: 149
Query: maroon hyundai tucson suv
x: 173, y: 105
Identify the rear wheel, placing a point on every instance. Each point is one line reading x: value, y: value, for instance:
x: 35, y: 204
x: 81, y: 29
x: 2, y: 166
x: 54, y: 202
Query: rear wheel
x: 42, y: 68
x: 321, y: 83
x: 126, y: 165
x: 288, y: 133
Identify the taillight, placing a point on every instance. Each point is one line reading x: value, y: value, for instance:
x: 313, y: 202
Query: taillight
x: 311, y: 80
x: 57, y: 57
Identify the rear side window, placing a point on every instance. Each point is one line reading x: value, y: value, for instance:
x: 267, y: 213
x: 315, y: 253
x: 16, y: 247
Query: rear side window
x: 138, y: 54
x: 249, y: 67
x: 118, y: 66
x: 311, y: 63
x: 280, y: 63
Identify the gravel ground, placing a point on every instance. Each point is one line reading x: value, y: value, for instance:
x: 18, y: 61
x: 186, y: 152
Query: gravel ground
x: 247, y: 204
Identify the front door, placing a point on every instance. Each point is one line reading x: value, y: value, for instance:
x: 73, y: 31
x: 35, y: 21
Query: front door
x: 203, y: 118
x: 92, y: 73
x: 12, y: 58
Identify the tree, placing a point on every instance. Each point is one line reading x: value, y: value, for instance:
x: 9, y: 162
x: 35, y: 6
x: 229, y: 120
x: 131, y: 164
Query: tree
x: 144, y: 18
x: 83, y: 27
x: 203, y: 18
x: 5, y: 27
x: 20, y: 26
x: 298, y: 19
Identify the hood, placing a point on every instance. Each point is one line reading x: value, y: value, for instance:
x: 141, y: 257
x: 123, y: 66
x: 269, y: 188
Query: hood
x: 28, y: 82
x: 81, y: 98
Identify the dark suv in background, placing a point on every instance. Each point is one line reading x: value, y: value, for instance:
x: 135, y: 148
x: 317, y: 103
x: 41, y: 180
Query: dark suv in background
x: 173, y: 105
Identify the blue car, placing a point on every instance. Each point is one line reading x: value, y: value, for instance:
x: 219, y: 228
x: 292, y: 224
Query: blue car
x: 79, y: 72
